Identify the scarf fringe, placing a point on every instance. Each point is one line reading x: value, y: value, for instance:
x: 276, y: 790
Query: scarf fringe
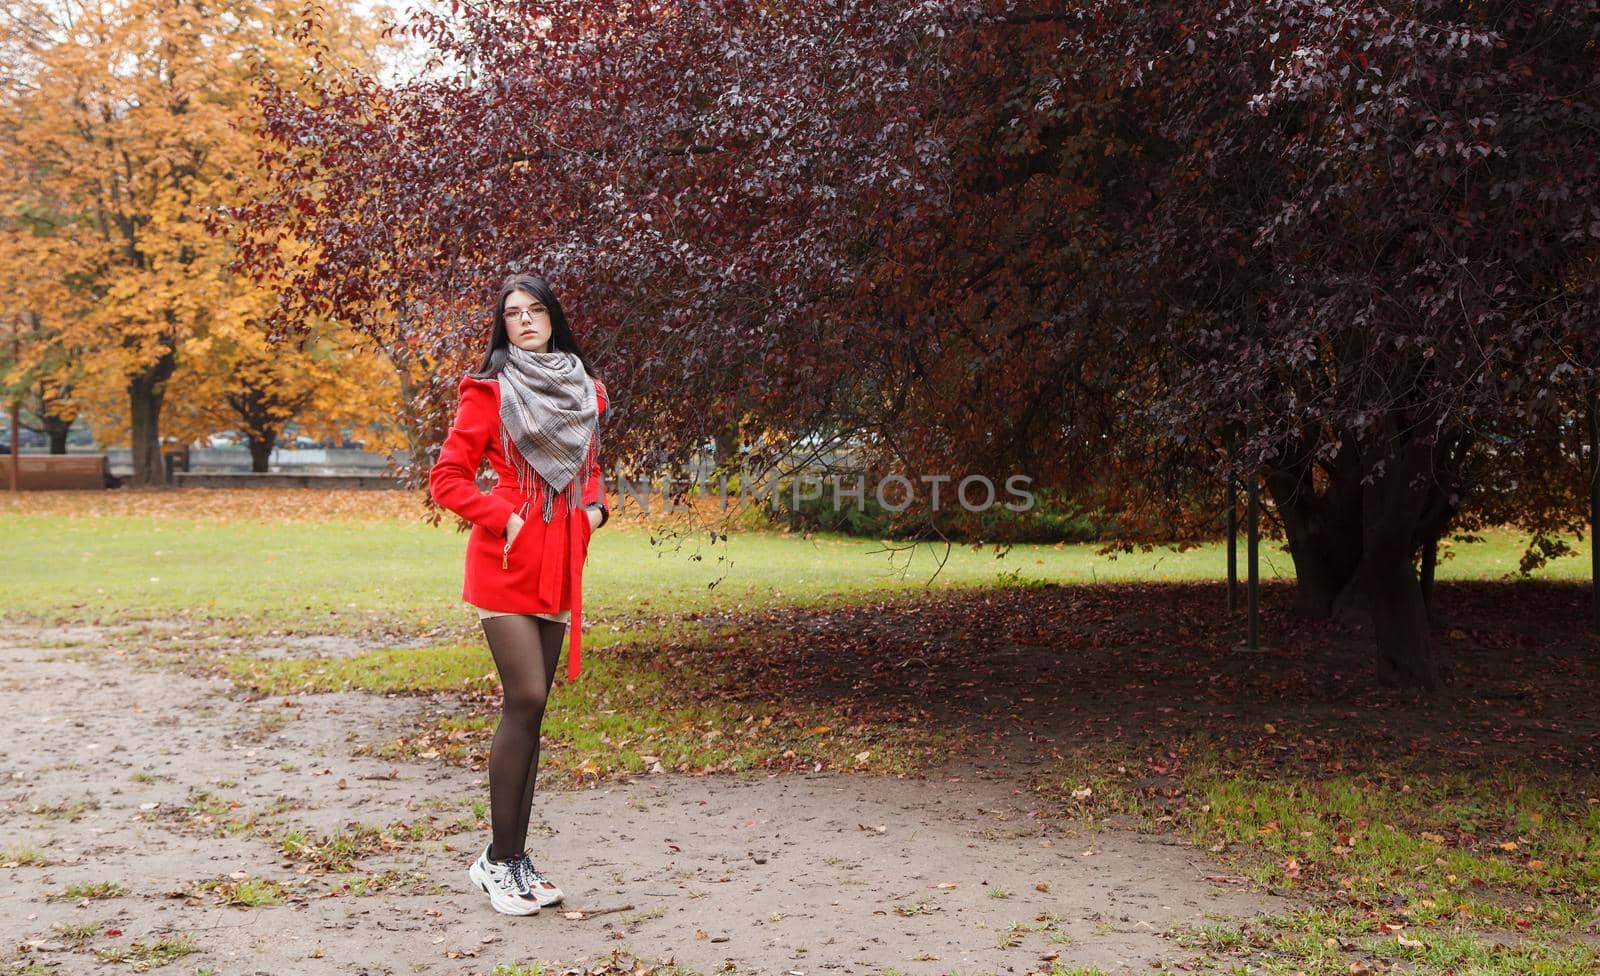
x: 531, y: 383
x: 533, y: 485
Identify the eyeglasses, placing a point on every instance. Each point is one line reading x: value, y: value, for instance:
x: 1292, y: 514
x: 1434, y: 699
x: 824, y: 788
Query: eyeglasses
x: 513, y: 314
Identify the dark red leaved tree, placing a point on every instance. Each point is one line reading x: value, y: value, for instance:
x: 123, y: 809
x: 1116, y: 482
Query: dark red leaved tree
x: 1091, y: 242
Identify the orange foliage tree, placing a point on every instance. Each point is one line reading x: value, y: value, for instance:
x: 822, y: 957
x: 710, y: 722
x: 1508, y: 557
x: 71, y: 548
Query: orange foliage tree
x: 123, y: 129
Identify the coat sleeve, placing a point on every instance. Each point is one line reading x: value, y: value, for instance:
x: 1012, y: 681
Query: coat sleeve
x: 453, y: 481
x: 594, y: 496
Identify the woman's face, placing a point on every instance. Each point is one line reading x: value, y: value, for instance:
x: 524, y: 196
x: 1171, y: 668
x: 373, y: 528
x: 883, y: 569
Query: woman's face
x: 527, y: 322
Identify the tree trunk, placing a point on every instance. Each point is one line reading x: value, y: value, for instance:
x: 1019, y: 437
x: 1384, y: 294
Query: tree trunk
x: 416, y: 444
x: 51, y: 424
x: 262, y: 415
x: 1323, y: 526
x: 1392, y: 509
x: 261, y: 446
x: 1400, y: 621
x: 146, y: 391
x: 56, y: 429
x: 1450, y: 462
x: 1430, y: 563
x: 1324, y: 568
x: 1594, y: 502
x: 1436, y: 519
x: 727, y: 444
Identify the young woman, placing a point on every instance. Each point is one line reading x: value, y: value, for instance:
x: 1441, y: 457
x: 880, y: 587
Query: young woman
x: 532, y: 408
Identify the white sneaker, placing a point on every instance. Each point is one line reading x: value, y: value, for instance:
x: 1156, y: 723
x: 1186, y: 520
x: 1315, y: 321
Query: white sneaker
x: 505, y: 884
x: 539, y: 886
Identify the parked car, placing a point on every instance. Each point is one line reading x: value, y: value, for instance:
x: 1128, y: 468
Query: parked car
x: 29, y: 440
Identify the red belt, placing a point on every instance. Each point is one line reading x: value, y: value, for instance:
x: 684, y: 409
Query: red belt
x: 550, y: 583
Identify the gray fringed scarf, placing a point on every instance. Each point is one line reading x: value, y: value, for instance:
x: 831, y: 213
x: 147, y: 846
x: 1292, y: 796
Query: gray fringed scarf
x: 548, y: 409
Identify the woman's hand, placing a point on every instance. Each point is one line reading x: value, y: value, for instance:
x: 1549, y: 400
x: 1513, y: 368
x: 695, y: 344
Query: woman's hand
x: 594, y: 518
x: 513, y: 526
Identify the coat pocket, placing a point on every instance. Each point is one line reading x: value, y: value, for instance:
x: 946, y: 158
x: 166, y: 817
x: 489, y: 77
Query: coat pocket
x: 505, y: 551
x: 587, y: 530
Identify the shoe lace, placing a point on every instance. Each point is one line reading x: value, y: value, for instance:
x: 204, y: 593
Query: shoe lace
x: 524, y: 883
x: 532, y: 873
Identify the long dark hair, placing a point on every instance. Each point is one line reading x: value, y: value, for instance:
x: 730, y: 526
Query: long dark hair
x: 561, y: 339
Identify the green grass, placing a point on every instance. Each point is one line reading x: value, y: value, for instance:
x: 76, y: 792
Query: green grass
x: 27, y: 856
x: 95, y: 890
x: 1492, y: 874
x: 416, y: 670
x: 923, y: 906
x: 1421, y: 852
x: 249, y: 893
x: 64, y: 810
x: 1334, y: 941
x: 1503, y: 851
x: 340, y: 850
x: 627, y: 714
x: 405, y: 882
x: 77, y: 932
x: 337, y: 851
x: 141, y: 957
x: 342, y: 577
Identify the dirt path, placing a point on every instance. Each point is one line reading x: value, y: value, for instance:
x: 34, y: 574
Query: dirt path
x: 123, y: 771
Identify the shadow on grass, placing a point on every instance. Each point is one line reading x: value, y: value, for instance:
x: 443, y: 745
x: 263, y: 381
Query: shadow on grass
x: 1401, y: 821
x: 1144, y: 665
x: 1458, y: 834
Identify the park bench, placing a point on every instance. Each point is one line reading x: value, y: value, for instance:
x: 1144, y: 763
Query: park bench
x: 54, y: 472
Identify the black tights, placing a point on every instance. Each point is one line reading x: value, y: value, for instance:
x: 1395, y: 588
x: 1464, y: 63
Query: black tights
x: 525, y: 650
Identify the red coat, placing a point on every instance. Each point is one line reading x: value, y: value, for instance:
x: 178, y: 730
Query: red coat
x: 543, y: 572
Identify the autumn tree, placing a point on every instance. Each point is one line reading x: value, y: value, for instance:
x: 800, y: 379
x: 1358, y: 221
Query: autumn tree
x: 38, y: 364
x: 326, y: 380
x: 45, y: 397
x: 129, y: 124
x: 1110, y: 244
x: 1366, y: 245
x: 645, y: 161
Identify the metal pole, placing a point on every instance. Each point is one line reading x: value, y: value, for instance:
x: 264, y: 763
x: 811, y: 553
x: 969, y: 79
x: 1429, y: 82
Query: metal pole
x: 16, y: 404
x: 1253, y: 527
x: 1594, y: 500
x: 16, y: 445
x: 1233, y: 529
